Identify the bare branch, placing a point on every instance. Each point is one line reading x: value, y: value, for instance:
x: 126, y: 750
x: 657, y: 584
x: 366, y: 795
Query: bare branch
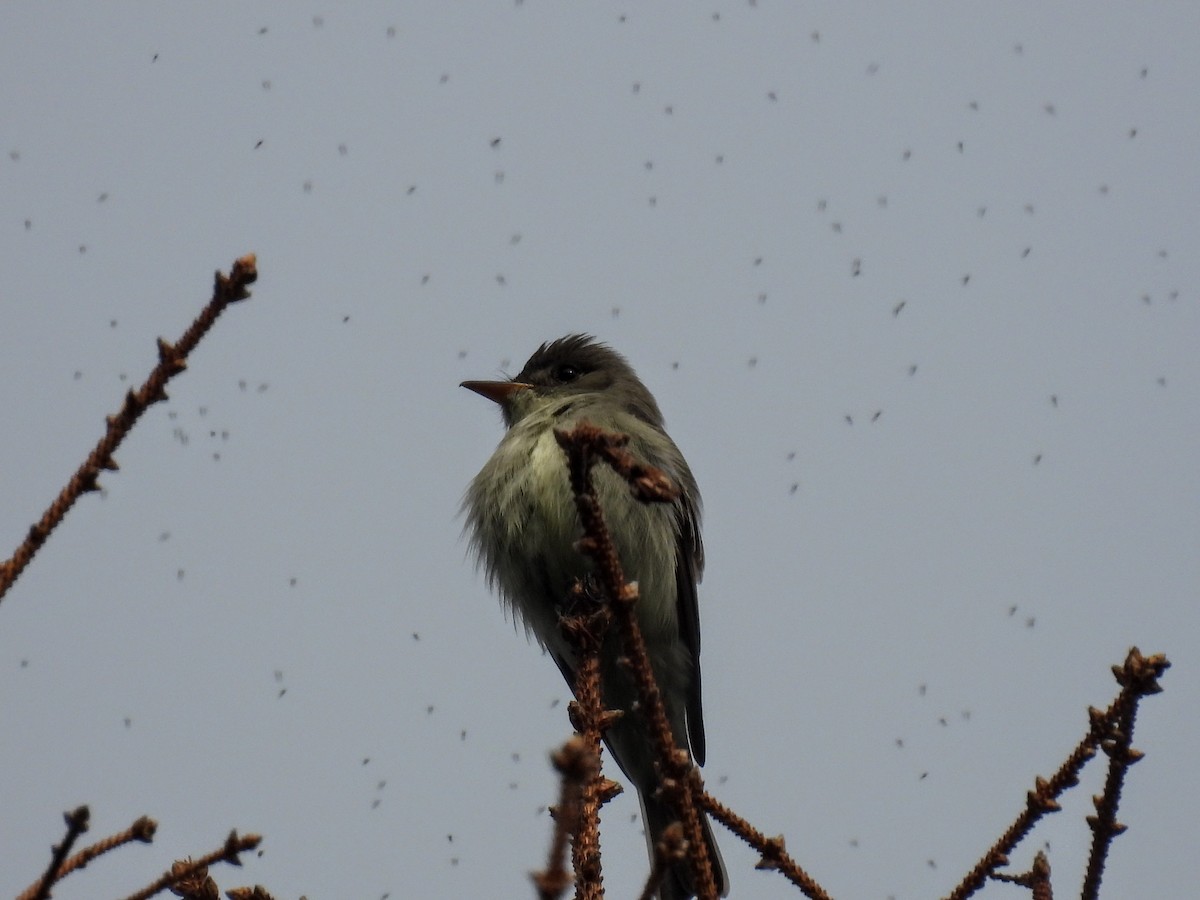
x: 183, y: 871
x: 172, y: 359
x: 77, y: 824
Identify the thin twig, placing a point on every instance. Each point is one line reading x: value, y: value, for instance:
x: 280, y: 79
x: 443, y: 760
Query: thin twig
x: 1138, y: 679
x: 773, y: 850
x: 584, y: 789
x: 258, y: 892
x: 172, y: 359
x: 574, y: 762
x: 1037, y: 879
x: 585, y: 631
x: 234, y: 844
x: 583, y: 446
x: 77, y: 824
x: 141, y: 830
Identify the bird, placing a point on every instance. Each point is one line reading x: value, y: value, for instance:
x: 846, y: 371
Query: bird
x: 523, y: 528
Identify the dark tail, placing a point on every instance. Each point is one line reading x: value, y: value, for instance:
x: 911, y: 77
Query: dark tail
x: 678, y: 883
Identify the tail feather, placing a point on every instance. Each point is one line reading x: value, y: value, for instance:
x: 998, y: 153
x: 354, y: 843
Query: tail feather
x: 678, y: 883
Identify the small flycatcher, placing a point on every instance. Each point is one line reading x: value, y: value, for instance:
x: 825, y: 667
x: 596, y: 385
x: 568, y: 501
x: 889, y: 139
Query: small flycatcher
x: 524, y: 526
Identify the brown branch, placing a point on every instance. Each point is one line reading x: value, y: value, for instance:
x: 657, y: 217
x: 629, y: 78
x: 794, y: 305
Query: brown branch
x: 774, y: 853
x: 258, y: 892
x: 195, y: 885
x: 172, y: 359
x: 1138, y: 678
x: 575, y: 763
x: 584, y: 788
x: 77, y: 824
x: 585, y: 631
x: 1110, y: 730
x: 583, y: 446
x: 141, y: 830
x: 184, y: 870
x: 1037, y: 879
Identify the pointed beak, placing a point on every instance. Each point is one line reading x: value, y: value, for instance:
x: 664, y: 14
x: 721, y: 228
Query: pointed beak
x: 497, y: 391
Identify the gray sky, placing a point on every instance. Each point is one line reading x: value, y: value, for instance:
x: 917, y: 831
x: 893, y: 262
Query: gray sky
x: 776, y: 212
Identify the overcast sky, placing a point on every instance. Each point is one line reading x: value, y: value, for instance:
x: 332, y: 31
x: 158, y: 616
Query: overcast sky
x: 916, y: 287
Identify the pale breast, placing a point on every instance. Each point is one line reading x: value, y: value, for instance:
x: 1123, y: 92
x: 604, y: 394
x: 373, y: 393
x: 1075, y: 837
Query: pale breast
x: 525, y: 525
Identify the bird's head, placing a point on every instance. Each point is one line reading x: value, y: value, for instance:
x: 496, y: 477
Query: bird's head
x: 573, y: 370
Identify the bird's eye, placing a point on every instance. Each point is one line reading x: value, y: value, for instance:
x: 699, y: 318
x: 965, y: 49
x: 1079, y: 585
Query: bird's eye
x: 567, y: 372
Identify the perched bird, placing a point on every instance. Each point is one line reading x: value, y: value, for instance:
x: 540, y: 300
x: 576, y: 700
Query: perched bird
x: 523, y: 525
